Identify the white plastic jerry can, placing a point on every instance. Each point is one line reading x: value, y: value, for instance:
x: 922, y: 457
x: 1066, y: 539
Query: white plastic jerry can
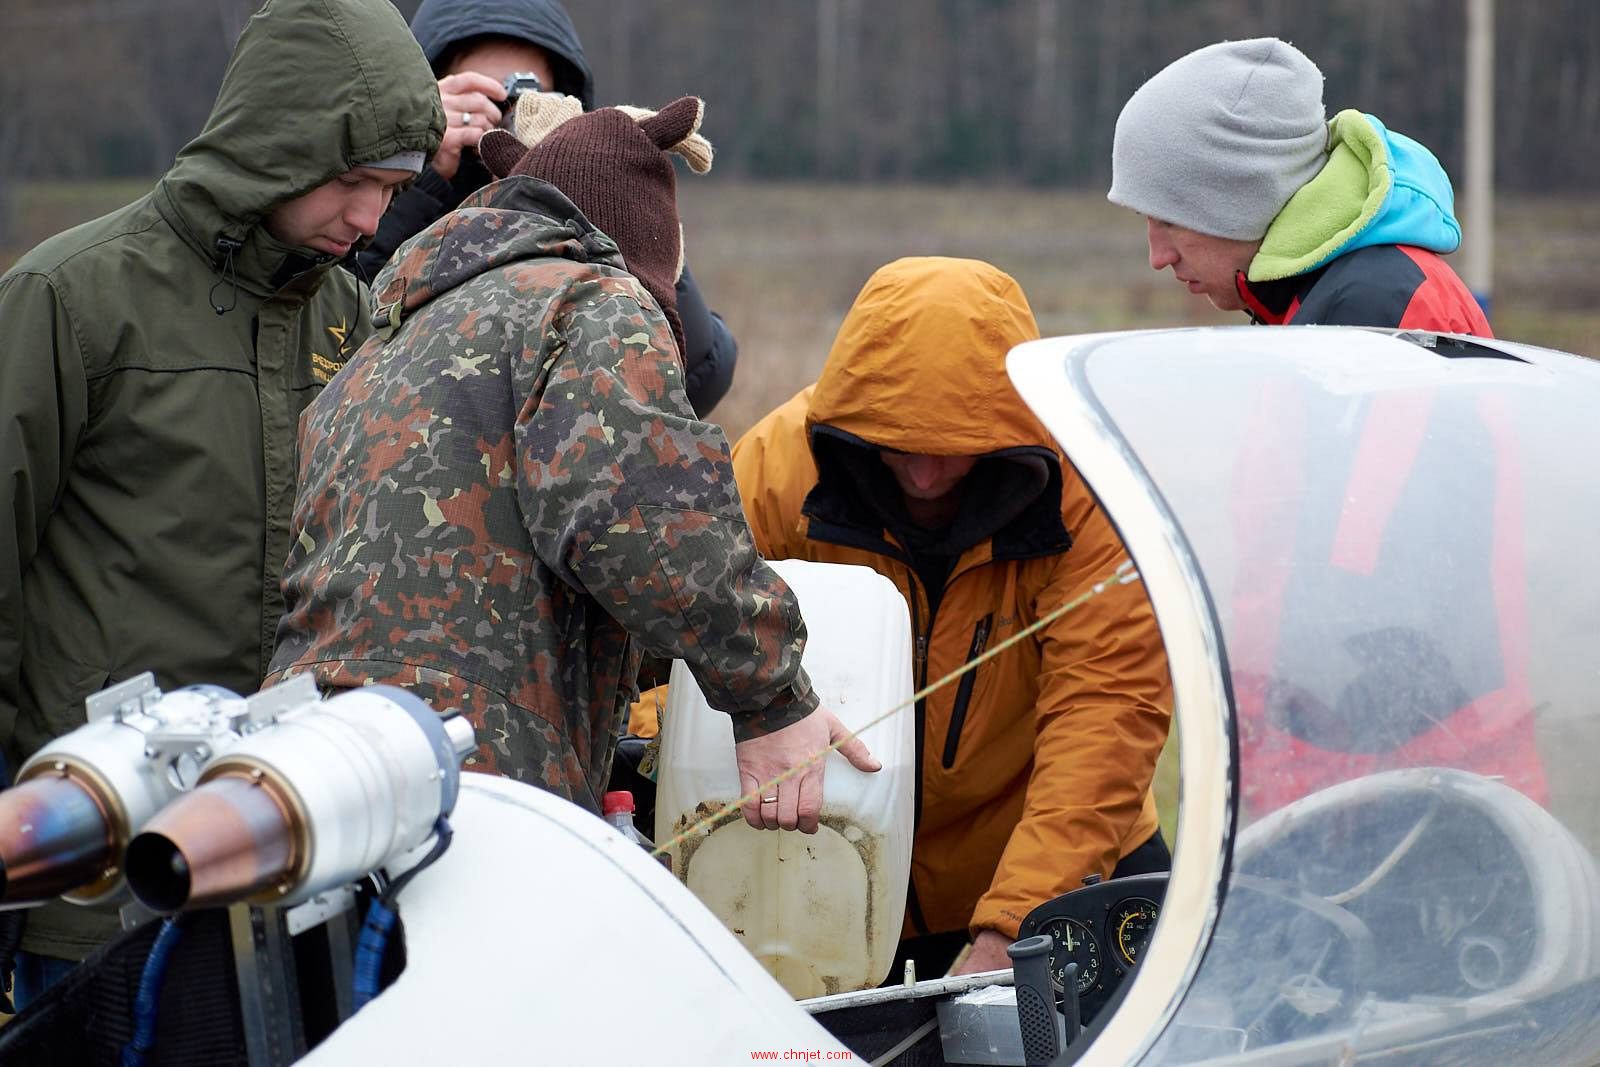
x: 822, y: 912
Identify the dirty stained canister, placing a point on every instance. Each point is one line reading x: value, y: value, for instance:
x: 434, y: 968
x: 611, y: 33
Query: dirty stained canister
x: 822, y: 911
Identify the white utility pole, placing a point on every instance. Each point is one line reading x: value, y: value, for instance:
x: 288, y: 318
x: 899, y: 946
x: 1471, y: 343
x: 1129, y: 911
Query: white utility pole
x: 1479, y: 242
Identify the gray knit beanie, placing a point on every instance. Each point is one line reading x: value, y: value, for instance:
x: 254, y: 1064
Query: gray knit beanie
x: 1220, y: 140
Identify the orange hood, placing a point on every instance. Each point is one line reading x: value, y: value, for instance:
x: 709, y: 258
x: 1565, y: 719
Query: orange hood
x: 919, y: 362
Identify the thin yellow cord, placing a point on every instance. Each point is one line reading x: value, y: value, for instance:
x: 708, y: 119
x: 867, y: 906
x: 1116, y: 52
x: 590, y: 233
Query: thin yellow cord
x: 1124, y: 575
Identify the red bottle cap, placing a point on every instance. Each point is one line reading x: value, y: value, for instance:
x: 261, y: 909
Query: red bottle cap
x: 615, y: 801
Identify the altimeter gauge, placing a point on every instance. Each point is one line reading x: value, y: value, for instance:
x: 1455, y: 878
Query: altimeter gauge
x: 1074, y: 943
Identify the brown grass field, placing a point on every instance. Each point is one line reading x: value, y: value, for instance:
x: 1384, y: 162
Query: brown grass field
x: 782, y: 262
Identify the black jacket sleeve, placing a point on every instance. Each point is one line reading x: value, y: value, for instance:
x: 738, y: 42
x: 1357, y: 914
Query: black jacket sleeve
x: 418, y: 205
x: 710, y: 351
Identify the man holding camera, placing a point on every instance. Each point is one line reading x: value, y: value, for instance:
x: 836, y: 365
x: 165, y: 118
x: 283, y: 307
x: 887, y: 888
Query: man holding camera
x: 478, y: 91
x: 477, y: 47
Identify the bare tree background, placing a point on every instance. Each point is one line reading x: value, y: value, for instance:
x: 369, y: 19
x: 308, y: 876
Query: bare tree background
x: 852, y: 131
x: 1019, y: 91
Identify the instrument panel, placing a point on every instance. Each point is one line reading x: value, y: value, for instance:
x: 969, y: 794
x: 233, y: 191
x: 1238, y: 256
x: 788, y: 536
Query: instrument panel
x: 1103, y: 928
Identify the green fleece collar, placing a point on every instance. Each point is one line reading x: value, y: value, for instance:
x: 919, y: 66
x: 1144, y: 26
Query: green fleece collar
x: 1332, y: 208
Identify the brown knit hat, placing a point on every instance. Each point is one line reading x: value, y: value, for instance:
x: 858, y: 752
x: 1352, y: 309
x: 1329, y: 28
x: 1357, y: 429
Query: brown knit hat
x: 615, y: 168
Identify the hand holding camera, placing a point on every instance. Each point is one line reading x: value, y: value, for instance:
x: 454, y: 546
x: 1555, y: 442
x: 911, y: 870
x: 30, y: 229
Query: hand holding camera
x: 472, y: 107
x: 474, y: 104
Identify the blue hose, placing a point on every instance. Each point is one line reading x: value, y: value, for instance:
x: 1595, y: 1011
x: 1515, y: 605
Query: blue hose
x: 369, y: 952
x: 155, y: 971
x: 381, y: 917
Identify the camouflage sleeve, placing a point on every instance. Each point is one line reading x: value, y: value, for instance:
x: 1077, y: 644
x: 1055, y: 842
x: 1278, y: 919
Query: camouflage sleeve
x: 630, y: 498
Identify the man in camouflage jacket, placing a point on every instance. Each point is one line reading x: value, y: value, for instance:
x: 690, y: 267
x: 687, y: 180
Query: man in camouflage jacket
x: 501, y: 506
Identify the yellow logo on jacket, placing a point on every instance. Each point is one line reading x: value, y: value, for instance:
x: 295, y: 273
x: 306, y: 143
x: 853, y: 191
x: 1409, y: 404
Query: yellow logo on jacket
x: 322, y: 368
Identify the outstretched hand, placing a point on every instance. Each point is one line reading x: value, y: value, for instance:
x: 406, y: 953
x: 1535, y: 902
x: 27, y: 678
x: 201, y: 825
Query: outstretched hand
x: 795, y: 803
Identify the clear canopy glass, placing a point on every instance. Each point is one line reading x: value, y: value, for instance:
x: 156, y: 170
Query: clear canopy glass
x: 1395, y: 534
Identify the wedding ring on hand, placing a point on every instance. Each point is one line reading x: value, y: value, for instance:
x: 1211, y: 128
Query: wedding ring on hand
x: 466, y: 118
x: 769, y: 800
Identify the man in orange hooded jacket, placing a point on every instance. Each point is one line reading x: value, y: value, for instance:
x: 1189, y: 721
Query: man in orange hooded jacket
x: 913, y: 455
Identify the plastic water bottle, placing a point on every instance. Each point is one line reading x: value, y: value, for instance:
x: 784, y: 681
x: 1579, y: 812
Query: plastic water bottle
x: 617, y: 809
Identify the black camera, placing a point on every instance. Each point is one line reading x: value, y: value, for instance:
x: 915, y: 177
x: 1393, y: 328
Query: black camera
x: 519, y: 83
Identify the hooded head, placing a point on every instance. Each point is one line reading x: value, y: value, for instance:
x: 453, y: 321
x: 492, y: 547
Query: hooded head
x: 1219, y: 140
x: 918, y: 367
x: 444, y: 27
x: 613, y: 164
x: 314, y: 89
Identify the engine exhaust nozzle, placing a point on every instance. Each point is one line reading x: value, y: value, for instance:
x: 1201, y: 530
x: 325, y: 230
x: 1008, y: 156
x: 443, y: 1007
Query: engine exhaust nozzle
x: 232, y: 838
x: 54, y: 838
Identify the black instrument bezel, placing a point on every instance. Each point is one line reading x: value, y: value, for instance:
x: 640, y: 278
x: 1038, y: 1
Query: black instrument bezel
x: 1092, y: 906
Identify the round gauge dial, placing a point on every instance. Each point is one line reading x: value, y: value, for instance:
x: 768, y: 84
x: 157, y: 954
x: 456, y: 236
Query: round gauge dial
x: 1073, y: 944
x: 1130, y: 925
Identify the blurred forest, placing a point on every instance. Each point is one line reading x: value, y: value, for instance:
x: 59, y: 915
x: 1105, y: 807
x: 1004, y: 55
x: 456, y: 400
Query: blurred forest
x: 1023, y: 91
x: 850, y: 132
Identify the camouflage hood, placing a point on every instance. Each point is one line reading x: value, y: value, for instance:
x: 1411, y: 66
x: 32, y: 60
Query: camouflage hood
x: 531, y: 219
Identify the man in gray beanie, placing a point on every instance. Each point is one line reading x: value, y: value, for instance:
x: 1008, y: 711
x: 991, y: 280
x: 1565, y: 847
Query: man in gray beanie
x: 1252, y: 200
x: 1260, y: 204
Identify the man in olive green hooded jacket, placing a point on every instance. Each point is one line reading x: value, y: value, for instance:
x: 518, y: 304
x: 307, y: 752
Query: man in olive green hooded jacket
x: 153, y: 367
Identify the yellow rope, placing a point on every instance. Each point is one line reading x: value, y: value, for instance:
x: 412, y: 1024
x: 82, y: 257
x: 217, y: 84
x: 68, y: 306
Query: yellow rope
x: 1124, y: 575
